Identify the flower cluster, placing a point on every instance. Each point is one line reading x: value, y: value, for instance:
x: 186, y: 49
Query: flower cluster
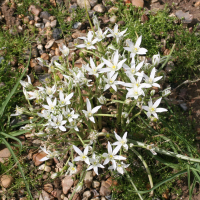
x: 73, y: 105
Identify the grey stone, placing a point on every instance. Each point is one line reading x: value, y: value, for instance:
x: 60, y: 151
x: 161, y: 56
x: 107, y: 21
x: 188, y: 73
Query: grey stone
x: 77, y: 25
x: 99, y: 8
x: 93, y: 2
x: 81, y: 4
x: 44, y: 15
x: 73, y: 7
x: 39, y: 25
x: 53, y: 23
x: 113, y: 19
x: 48, y: 24
x: 95, y: 184
x: 57, y: 33
x: 88, y: 179
x: 43, y: 77
x: 87, y: 194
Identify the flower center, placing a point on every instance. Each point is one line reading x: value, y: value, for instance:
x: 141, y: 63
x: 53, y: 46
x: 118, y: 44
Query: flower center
x: 111, y: 81
x: 89, y: 114
x: 111, y: 156
x: 132, y: 71
x: 114, y: 67
x: 152, y: 109
x: 83, y: 157
x: 88, y: 43
x: 122, y: 142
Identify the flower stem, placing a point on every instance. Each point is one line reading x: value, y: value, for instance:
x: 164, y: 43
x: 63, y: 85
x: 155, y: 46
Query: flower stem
x: 146, y: 167
x: 129, y: 178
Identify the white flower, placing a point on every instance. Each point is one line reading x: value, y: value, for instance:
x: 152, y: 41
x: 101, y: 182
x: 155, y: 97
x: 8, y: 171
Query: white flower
x: 166, y: 92
x: 124, y: 114
x: 134, y: 92
x: 130, y: 71
x: 49, y: 154
x: 64, y: 50
x: 152, y: 80
x: 18, y: 111
x: 90, y: 112
x: 93, y: 70
x: 88, y: 42
x: 100, y: 35
x: 51, y: 105
x: 46, y: 114
x: 69, y: 114
x: 116, y: 34
x: 65, y: 100
x: 121, y: 141
x: 102, y: 99
x: 113, y: 65
x: 58, y: 122
x: 94, y: 164
x: 50, y: 91
x: 110, y: 81
x: 96, y: 22
x: 59, y: 66
x: 156, y: 59
x: 71, y: 170
x: 27, y: 85
x: 82, y: 155
x: 73, y: 124
x: 152, y: 108
x: 135, y: 49
x: 111, y: 156
x: 120, y: 167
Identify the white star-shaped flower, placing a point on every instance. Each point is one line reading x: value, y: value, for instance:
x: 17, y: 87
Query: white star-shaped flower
x: 94, y: 164
x: 111, y: 156
x: 90, y: 112
x: 152, y: 108
x: 82, y: 155
x: 122, y: 141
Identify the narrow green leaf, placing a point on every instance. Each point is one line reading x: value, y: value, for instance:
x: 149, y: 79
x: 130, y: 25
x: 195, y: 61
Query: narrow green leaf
x: 4, y: 104
x: 19, y: 166
x: 162, y: 182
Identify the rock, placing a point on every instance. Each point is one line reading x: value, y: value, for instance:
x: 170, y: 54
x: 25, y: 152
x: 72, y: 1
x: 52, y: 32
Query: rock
x: 184, y: 16
x: 113, y: 9
x: 49, y: 43
x: 26, y: 20
x: 37, y: 157
x: 48, y: 24
x: 121, y: 23
x: 99, y: 8
x: 45, y: 168
x: 52, y: 18
x: 105, y: 189
x: 81, y: 4
x: 113, y: 19
x: 88, y: 179
x: 87, y: 194
x: 34, y: 52
x: 138, y: 3
x: 53, y: 23
x: 4, y: 155
x: 39, y: 25
x: 32, y: 22
x: 72, y: 8
x: 78, y: 34
x: 35, y: 10
x: 197, y: 4
x: 45, y: 56
x: 6, y: 181
x: 93, y: 2
x: 57, y: 52
x: 45, y: 196
x: 95, y: 184
x: 48, y: 187
x: 77, y: 25
x: 57, y: 33
x: 44, y: 15
x: 67, y: 183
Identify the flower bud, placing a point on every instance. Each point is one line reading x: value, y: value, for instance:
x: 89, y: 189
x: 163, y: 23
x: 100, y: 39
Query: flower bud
x: 156, y: 59
x: 152, y: 92
x: 102, y: 99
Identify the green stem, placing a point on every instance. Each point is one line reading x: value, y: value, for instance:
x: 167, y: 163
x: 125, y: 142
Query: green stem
x: 80, y: 138
x: 129, y: 178
x: 106, y: 115
x: 146, y: 167
x: 168, y: 153
x: 119, y: 113
x: 19, y: 166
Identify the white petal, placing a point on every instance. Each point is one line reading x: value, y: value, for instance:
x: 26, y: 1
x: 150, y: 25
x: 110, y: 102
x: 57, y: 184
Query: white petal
x: 77, y: 150
x: 95, y: 109
x: 138, y: 42
x: 88, y: 105
x: 157, y: 103
x: 161, y: 110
